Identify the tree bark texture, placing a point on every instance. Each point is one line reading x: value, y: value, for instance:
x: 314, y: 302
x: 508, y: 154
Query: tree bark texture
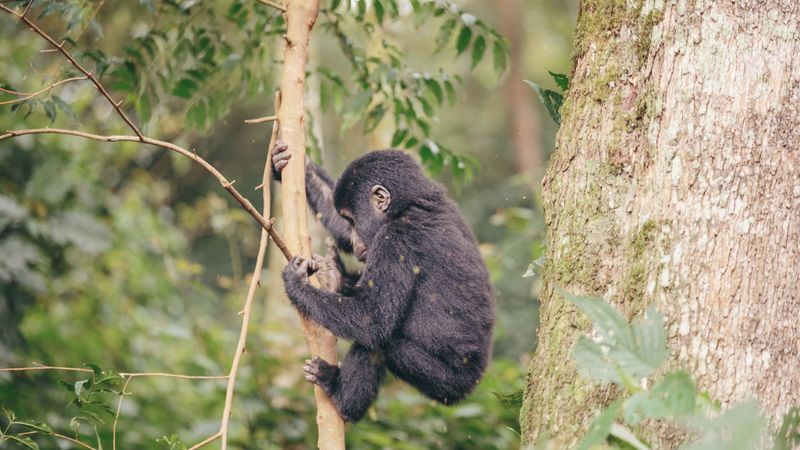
x: 300, y: 18
x: 676, y: 181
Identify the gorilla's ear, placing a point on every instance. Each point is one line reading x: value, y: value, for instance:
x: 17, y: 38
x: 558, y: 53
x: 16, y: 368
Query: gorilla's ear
x: 380, y: 198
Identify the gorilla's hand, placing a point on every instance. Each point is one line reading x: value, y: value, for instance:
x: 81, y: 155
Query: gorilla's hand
x: 299, y: 268
x: 280, y: 158
x: 329, y: 275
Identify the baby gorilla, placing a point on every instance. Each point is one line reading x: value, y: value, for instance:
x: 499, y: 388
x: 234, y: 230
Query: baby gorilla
x: 423, y: 306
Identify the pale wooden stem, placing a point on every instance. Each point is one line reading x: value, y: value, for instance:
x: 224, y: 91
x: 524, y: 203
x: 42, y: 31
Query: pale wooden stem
x: 300, y: 18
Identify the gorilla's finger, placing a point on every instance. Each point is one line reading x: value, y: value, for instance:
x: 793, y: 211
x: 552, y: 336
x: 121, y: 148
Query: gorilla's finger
x: 303, y: 267
x: 296, y: 262
x: 281, y: 154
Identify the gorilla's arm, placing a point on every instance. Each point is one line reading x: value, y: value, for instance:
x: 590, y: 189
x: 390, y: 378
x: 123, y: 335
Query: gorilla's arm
x: 370, y: 315
x: 319, y: 192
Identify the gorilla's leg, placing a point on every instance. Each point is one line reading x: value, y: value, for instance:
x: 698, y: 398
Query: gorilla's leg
x: 430, y: 374
x: 353, y: 386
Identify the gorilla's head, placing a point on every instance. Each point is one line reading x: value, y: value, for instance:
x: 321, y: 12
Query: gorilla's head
x: 378, y: 187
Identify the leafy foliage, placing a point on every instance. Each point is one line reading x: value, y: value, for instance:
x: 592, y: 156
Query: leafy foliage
x: 551, y: 99
x: 182, y: 63
x: 621, y: 353
x: 627, y: 354
x: 382, y: 86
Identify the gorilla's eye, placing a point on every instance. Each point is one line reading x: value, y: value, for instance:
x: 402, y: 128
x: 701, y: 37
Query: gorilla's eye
x: 346, y: 216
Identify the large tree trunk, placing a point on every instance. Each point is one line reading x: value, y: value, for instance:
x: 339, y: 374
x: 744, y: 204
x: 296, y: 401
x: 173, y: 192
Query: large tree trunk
x: 676, y: 180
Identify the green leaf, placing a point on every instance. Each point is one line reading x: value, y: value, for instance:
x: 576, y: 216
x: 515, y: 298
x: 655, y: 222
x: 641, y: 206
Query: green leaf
x: 551, y: 100
x: 196, y: 115
x: 625, y: 435
x: 124, y: 77
x: 562, y: 81
x: 650, y: 336
x: 95, y: 368
x: 511, y: 400
x: 478, y: 48
x: 436, y: 89
x: 144, y: 108
x: 431, y: 156
x: 591, y: 362
x: 788, y: 436
x: 451, y: 91
x: 185, y: 88
x: 24, y: 440
x: 398, y: 137
x: 77, y: 387
x: 610, y: 325
x: 601, y: 426
x: 499, y: 53
x: 445, y: 33
x: 38, y: 426
x: 426, y: 107
x: 374, y: 118
x: 671, y: 397
x: 464, y: 36
x: 632, y: 352
x: 50, y: 110
x: 335, y: 4
x: 378, y: 10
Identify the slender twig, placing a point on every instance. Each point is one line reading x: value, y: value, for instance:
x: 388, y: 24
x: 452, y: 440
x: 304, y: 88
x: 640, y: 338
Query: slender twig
x: 92, y: 78
x: 273, y: 5
x: 123, y: 374
x: 227, y: 185
x: 60, y: 436
x: 116, y: 416
x: 206, y: 441
x: 28, y: 96
x: 173, y: 375
x: 255, y: 281
x: 260, y: 120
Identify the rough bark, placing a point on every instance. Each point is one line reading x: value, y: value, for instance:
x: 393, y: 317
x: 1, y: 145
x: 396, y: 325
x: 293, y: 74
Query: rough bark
x: 676, y: 180
x: 300, y: 18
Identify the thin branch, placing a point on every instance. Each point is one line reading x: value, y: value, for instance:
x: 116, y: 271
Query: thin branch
x: 123, y: 374
x: 92, y: 78
x: 255, y: 281
x: 260, y: 120
x: 228, y: 186
x: 273, y: 5
x: 60, y: 436
x: 116, y: 416
x: 28, y: 96
x: 206, y: 441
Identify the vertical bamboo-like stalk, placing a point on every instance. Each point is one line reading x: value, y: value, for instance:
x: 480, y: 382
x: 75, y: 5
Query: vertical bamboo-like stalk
x: 300, y: 18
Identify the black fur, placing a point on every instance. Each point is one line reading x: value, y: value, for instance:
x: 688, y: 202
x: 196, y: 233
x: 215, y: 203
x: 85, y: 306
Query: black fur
x: 423, y: 307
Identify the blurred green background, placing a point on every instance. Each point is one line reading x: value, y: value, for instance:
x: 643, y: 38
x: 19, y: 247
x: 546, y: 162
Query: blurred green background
x: 134, y: 259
